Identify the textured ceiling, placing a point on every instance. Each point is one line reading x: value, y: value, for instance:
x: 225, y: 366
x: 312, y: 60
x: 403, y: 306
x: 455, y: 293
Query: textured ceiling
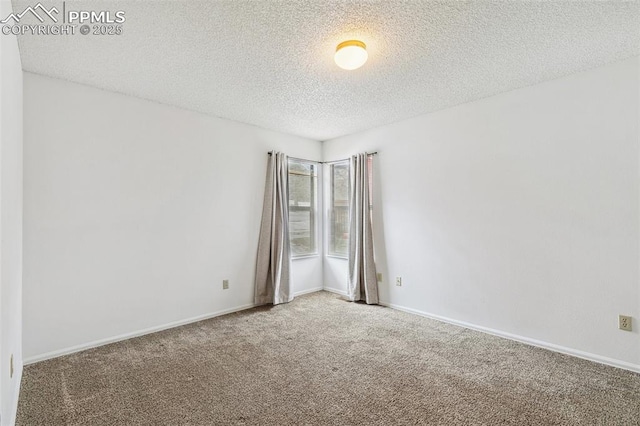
x: 270, y: 63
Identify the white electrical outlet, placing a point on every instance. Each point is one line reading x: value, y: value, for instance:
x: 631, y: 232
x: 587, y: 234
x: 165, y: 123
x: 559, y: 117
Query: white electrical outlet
x: 624, y: 322
x: 399, y: 281
x: 379, y: 277
x: 225, y: 284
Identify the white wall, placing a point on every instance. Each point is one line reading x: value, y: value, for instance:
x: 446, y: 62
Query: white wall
x: 10, y: 221
x: 518, y: 213
x: 135, y: 212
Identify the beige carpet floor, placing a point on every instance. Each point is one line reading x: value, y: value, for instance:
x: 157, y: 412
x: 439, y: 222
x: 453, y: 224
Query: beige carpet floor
x: 323, y: 361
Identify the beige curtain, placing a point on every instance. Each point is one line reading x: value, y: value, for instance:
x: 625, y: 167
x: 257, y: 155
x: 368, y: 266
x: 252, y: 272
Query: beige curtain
x: 362, y: 269
x: 273, y: 267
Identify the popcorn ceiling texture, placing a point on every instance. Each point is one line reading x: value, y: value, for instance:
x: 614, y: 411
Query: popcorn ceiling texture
x: 270, y: 63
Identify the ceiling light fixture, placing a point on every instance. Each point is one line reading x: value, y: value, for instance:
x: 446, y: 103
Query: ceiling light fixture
x: 351, y: 54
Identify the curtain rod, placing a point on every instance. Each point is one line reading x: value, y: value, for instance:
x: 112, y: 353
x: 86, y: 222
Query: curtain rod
x: 324, y: 162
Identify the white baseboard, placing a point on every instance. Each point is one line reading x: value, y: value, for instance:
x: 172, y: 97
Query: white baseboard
x: 335, y: 290
x: 533, y: 342
x: 114, y: 339
x: 311, y: 290
x: 14, y: 409
x: 101, y: 342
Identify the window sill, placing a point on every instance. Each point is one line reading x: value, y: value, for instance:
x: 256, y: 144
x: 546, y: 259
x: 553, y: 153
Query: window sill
x: 335, y: 256
x: 306, y: 256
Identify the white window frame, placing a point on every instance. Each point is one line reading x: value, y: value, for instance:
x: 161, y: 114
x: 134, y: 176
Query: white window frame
x: 329, y: 209
x: 315, y: 225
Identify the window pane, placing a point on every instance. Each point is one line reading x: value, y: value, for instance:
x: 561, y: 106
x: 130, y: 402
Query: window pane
x: 339, y: 209
x: 302, y: 207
